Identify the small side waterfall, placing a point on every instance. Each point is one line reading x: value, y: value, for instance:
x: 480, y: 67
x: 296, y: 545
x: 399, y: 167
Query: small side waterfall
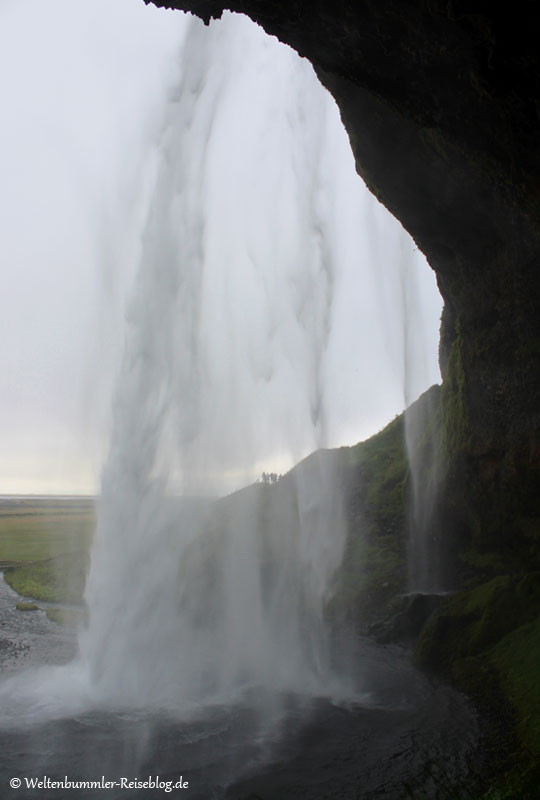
x: 425, y: 553
x: 422, y: 439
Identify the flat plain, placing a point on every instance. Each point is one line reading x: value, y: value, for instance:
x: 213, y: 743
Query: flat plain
x: 45, y: 544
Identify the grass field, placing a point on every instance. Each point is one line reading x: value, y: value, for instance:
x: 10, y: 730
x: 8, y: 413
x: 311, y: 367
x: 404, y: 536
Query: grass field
x: 45, y: 545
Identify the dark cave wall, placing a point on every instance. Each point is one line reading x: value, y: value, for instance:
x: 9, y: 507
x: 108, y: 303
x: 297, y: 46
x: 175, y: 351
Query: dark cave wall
x: 441, y: 102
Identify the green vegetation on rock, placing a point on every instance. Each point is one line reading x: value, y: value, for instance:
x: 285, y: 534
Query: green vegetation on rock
x: 377, y: 485
x: 486, y: 640
x: 374, y: 562
x: 57, y: 580
x: 22, y: 606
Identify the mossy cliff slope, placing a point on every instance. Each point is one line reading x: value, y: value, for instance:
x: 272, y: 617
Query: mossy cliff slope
x: 362, y: 490
x: 483, y: 634
x: 486, y: 640
x: 374, y: 479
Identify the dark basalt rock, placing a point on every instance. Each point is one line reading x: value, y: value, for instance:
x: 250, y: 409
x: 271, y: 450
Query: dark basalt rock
x: 406, y: 617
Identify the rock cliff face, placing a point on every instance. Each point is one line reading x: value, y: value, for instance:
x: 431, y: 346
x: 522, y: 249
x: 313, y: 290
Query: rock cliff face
x: 441, y: 101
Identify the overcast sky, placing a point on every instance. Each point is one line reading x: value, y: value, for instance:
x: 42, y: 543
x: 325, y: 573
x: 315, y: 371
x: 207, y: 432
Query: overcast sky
x: 84, y: 87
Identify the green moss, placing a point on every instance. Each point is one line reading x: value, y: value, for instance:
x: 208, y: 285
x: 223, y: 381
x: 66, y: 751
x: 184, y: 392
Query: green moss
x: 517, y: 660
x: 377, y: 484
x: 23, y: 606
x: 484, y: 562
x: 59, y: 580
x: 487, y: 641
x: 529, y: 530
x: 472, y: 621
x: 375, y: 474
x: 529, y: 349
x: 380, y: 466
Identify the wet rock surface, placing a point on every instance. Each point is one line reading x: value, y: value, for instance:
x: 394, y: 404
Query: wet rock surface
x: 29, y: 638
x: 406, y: 617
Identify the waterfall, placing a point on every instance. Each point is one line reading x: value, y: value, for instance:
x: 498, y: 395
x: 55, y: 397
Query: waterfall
x: 252, y: 339
x: 222, y: 372
x: 230, y: 347
x: 422, y: 439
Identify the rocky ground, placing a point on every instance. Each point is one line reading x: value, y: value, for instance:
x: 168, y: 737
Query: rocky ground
x: 28, y: 638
